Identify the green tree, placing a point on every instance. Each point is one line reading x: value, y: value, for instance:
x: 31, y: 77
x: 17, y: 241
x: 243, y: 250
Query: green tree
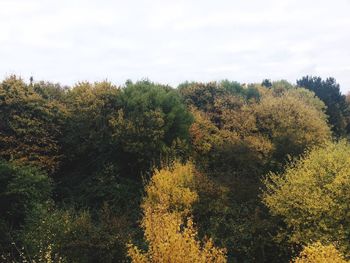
x: 24, y: 191
x: 77, y: 236
x: 115, y: 136
x: 156, y: 125
x: 135, y: 127
x: 329, y: 92
x: 88, y: 136
x: 266, y: 83
x: 92, y: 171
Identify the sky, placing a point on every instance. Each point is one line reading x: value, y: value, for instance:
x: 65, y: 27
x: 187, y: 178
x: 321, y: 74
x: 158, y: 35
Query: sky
x: 170, y: 42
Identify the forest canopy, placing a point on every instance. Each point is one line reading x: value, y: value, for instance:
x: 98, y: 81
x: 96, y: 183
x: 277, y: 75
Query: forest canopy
x: 204, y: 172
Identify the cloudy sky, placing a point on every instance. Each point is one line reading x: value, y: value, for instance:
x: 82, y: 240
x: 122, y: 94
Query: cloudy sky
x: 172, y: 41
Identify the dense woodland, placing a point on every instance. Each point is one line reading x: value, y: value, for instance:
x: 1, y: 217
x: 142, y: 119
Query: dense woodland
x: 205, y: 172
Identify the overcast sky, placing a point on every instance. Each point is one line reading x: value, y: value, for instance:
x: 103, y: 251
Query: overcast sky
x: 172, y: 41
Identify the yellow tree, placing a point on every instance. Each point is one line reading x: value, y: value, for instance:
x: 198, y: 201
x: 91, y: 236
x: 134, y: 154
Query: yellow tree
x: 169, y: 229
x: 318, y: 253
x: 312, y: 197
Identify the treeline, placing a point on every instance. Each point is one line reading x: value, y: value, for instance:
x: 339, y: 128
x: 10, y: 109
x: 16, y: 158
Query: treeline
x: 206, y: 172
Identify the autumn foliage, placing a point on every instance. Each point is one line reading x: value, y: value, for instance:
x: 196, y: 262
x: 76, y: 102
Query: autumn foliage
x: 144, y: 172
x: 169, y: 228
x: 318, y: 253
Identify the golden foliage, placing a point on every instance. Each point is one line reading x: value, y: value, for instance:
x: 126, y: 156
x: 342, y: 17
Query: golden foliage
x: 292, y: 121
x: 254, y: 136
x: 312, y: 196
x: 318, y: 253
x: 169, y: 229
x: 171, y: 191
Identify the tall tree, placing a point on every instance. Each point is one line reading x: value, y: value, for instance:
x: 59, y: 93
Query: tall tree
x: 329, y: 92
x: 116, y: 135
x: 30, y: 125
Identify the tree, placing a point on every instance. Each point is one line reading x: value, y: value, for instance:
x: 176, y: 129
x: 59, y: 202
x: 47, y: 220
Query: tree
x: 203, y: 96
x: 280, y: 86
x: 235, y: 142
x: 53, y: 92
x: 329, y: 92
x: 292, y: 122
x: 156, y: 125
x: 252, y: 136
x: 311, y: 196
x: 93, y: 171
x: 30, y: 126
x: 24, y: 191
x: 76, y: 235
x: 115, y: 136
x: 347, y: 100
x: 318, y: 253
x: 168, y: 226
x: 266, y: 83
x: 135, y: 128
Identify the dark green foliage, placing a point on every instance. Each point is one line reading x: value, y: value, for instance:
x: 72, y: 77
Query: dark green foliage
x: 134, y: 128
x: 108, y: 187
x: 156, y: 125
x: 329, y: 92
x: 114, y: 136
x: 88, y: 132
x: 244, y: 228
x: 24, y: 191
x: 266, y: 83
x: 78, y: 237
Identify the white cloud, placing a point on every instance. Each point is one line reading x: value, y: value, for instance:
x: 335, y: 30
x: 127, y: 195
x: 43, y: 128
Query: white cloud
x: 173, y: 41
